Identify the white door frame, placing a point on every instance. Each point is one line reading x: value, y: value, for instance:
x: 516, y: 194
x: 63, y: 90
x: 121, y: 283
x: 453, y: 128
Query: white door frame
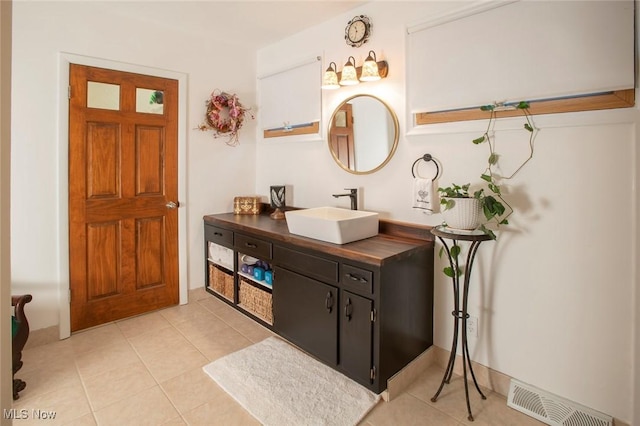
x: 63, y: 173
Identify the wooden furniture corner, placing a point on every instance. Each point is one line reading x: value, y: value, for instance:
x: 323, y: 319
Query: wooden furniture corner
x: 19, y: 339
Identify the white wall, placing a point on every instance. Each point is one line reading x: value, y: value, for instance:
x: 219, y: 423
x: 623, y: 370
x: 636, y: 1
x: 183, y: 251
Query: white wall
x: 6, y: 376
x: 116, y: 31
x: 555, y: 295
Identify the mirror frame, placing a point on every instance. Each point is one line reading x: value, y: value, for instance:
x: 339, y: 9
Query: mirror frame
x: 393, y: 147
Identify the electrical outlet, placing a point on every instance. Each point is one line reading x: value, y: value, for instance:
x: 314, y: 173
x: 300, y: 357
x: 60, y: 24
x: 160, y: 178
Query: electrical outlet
x: 472, y: 326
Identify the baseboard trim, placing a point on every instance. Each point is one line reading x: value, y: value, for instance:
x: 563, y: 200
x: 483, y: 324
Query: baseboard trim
x: 434, y: 355
x: 400, y: 381
x: 42, y: 336
x: 491, y: 379
x: 487, y: 377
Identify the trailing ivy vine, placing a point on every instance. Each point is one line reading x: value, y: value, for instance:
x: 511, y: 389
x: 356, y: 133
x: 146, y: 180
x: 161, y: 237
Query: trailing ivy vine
x: 495, y: 205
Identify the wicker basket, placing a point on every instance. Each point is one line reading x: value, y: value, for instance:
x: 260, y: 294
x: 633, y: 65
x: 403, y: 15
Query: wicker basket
x: 220, y: 281
x: 258, y: 302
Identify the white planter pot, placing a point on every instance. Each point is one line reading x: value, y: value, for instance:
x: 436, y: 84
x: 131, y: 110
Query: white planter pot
x: 465, y: 214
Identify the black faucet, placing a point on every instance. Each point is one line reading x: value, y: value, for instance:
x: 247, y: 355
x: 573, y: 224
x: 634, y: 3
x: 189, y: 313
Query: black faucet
x: 353, y: 194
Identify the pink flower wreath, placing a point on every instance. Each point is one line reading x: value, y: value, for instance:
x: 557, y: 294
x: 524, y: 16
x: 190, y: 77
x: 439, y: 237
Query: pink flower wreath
x: 225, y: 116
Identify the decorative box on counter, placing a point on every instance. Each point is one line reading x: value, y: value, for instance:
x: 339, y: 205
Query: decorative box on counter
x: 247, y: 205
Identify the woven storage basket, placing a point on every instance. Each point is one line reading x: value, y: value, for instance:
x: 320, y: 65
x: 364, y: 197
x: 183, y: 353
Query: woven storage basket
x: 220, y: 281
x: 258, y: 302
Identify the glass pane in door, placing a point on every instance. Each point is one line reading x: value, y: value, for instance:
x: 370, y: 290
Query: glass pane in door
x: 103, y: 95
x: 149, y: 101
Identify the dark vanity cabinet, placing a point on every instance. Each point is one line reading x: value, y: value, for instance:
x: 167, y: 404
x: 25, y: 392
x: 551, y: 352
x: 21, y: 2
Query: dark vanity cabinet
x: 364, y: 308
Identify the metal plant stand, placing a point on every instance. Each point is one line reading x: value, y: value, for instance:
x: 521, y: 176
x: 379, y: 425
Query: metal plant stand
x: 460, y: 315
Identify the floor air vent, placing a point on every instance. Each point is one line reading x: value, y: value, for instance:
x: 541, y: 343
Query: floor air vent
x: 551, y: 409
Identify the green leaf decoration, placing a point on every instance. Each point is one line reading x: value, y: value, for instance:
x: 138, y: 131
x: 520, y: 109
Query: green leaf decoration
x: 504, y: 222
x: 455, y: 251
x: 479, y: 140
x: 493, y: 158
x: 488, y: 213
x: 441, y: 252
x: 455, y: 191
x: 494, y: 205
x: 490, y: 233
x: 523, y: 105
x: 528, y: 127
x: 494, y: 188
x: 486, y: 177
x: 487, y: 108
x: 449, y: 271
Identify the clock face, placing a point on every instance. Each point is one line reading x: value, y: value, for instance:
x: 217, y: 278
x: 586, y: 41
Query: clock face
x: 358, y: 31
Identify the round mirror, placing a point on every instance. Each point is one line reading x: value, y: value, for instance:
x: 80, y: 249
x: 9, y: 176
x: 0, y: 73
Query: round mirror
x: 363, y: 134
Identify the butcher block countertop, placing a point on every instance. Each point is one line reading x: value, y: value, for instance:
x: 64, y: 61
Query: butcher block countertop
x: 395, y: 239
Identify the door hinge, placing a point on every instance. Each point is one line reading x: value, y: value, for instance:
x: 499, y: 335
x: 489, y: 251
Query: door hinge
x: 69, y: 92
x: 373, y: 315
x: 372, y: 373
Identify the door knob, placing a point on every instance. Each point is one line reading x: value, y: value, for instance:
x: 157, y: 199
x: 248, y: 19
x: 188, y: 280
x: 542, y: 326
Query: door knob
x: 171, y: 205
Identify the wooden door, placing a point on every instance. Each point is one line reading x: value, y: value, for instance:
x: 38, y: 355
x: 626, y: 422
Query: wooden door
x: 341, y: 132
x: 123, y: 194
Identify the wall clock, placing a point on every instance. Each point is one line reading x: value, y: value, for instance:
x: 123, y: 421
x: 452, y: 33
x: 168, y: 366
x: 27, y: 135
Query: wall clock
x: 358, y: 31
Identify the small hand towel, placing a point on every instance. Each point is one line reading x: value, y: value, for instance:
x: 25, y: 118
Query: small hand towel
x: 425, y: 196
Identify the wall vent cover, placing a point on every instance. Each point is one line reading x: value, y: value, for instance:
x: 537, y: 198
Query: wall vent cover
x: 551, y: 409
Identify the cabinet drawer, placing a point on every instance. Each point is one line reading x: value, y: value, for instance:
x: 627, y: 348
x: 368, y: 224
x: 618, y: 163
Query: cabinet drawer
x: 307, y: 264
x: 253, y: 246
x: 356, y: 279
x: 218, y: 235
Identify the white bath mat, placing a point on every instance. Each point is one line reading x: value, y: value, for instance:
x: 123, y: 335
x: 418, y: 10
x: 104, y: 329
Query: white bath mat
x: 280, y: 386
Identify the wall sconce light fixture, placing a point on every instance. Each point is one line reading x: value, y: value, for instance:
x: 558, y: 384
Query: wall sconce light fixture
x: 371, y: 70
x: 330, y: 79
x: 349, y: 75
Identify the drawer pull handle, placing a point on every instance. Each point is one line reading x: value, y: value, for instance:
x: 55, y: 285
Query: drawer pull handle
x: 218, y: 234
x: 348, y: 309
x: 251, y: 245
x: 356, y: 278
x: 329, y: 302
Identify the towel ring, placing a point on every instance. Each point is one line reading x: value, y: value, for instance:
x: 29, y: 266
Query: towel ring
x: 425, y: 158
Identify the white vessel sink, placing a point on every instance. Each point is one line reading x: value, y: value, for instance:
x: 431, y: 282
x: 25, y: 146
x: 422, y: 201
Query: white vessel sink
x: 332, y: 224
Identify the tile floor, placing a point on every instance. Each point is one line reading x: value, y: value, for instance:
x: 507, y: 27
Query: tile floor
x: 148, y: 370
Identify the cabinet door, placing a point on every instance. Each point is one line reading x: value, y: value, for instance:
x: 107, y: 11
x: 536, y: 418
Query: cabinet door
x: 356, y: 336
x: 305, y: 311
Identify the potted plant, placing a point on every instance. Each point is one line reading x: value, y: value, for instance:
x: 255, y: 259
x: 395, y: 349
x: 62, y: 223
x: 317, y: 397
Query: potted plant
x: 461, y: 211
x: 464, y: 211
